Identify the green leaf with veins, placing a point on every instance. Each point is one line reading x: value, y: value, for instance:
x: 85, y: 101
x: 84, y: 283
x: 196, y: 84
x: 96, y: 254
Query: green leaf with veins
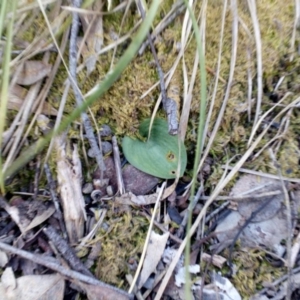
x: 159, y: 155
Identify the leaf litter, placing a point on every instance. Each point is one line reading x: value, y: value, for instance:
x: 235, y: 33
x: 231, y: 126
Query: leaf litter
x: 257, y: 215
x: 267, y: 214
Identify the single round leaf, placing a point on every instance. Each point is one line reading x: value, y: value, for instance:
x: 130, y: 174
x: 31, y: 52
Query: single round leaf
x: 159, y: 155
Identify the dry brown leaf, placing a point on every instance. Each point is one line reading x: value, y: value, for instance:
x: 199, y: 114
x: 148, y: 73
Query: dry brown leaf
x: 18, y: 91
x: 95, y: 292
x: 15, y: 103
x: 38, y: 287
x: 131, y: 199
x: 40, y: 218
x: 154, y: 253
x: 33, y: 71
x: 19, y: 213
x: 20, y: 220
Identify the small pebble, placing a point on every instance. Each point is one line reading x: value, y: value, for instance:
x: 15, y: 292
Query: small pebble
x: 98, y: 183
x: 87, y: 188
x: 106, y: 147
x: 105, y: 130
x: 109, y: 190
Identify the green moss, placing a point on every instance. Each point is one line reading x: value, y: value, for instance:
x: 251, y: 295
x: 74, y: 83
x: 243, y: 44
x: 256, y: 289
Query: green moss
x: 121, y: 243
x: 253, y: 271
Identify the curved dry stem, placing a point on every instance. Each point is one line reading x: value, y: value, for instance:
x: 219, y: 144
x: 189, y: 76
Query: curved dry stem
x: 252, y: 9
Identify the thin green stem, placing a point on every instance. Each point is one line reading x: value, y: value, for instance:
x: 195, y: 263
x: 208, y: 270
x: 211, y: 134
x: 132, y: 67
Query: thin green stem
x: 200, y: 139
x: 96, y: 93
x: 12, y: 6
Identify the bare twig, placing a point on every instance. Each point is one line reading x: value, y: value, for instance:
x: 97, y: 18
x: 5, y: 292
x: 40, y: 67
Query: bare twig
x: 288, y: 262
x: 169, y: 18
x: 247, y: 222
x: 272, y: 176
x: 243, y: 197
x: 169, y: 105
x: 78, y: 96
x: 53, y: 264
x: 187, y: 212
x: 117, y: 162
x: 36, y: 177
x: 278, y: 281
x: 216, y: 211
x: 161, y: 227
x: 66, y: 251
x: 255, y: 22
x: 55, y: 200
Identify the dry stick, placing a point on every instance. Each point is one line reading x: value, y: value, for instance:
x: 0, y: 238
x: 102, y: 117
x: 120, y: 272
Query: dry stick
x: 272, y: 176
x: 216, y: 211
x: 137, y: 293
x: 161, y: 227
x: 268, y: 144
x: 176, y: 11
x: 52, y: 188
x: 53, y: 264
x: 289, y: 228
x: 285, y: 123
x: 276, y: 282
x: 36, y: 177
x: 263, y: 117
x: 247, y: 222
x: 253, y: 14
x: 78, y: 96
x: 66, y: 251
x: 243, y: 197
x: 189, y: 211
x: 169, y: 105
x: 295, y: 250
x: 128, y: 4
x: 295, y: 27
x: 117, y: 162
x: 26, y: 111
x: 249, y: 75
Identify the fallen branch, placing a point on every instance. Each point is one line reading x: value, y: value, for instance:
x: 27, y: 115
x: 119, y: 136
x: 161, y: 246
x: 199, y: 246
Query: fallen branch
x: 52, y: 264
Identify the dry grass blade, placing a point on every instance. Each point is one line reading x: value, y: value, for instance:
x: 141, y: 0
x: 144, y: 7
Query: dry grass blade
x: 216, y: 83
x: 252, y: 8
x: 228, y: 88
x: 147, y: 238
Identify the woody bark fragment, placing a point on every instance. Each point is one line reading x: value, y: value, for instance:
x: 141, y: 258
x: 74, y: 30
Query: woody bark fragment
x: 69, y: 178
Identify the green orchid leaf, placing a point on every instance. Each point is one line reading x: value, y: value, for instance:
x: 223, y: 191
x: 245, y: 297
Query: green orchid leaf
x: 159, y: 155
